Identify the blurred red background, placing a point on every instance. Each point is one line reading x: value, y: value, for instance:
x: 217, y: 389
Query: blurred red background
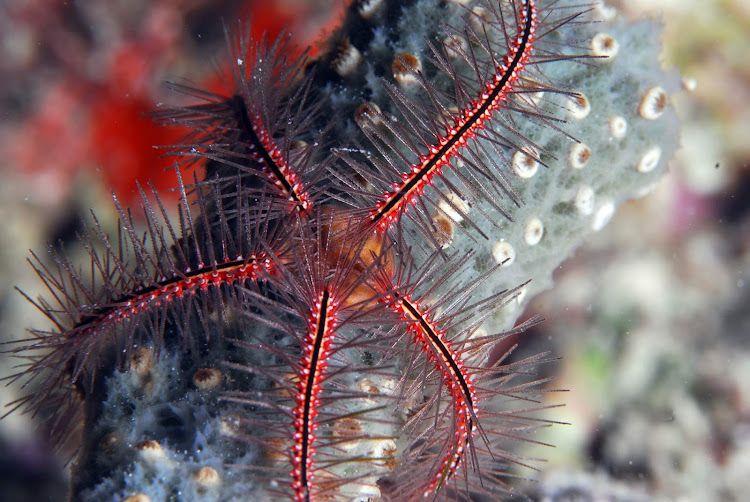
x: 79, y: 80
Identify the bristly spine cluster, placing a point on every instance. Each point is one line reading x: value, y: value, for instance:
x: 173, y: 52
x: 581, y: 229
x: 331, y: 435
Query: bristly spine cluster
x: 381, y: 381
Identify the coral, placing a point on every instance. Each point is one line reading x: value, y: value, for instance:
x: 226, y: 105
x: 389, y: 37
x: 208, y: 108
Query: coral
x: 564, y: 199
x: 348, y: 314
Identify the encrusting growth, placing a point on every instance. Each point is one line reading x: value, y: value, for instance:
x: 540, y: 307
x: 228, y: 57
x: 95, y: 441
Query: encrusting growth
x: 310, y: 328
